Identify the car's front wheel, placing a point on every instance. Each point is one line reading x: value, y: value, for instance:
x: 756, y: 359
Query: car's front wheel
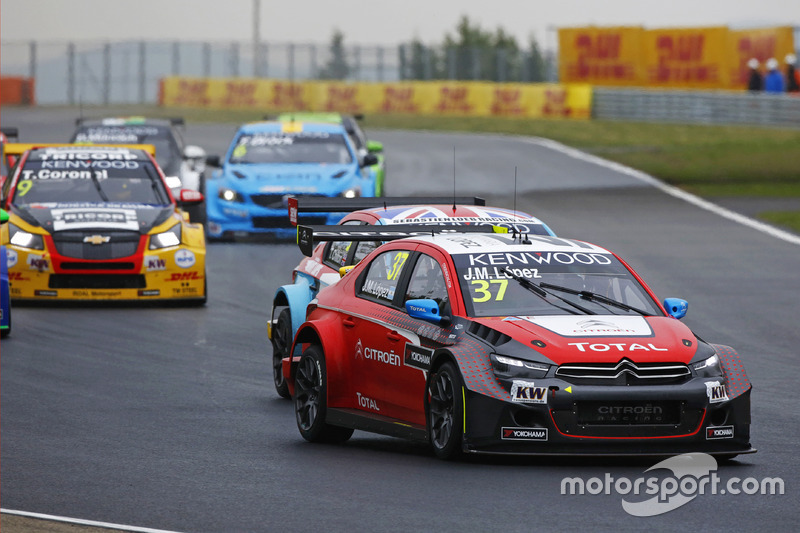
x: 281, y: 344
x: 311, y: 401
x: 445, y: 411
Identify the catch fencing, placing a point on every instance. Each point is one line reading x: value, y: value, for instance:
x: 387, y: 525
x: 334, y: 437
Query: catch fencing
x: 129, y: 72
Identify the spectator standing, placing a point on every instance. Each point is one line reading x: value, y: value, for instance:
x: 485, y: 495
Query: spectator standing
x: 773, y: 83
x: 754, y: 82
x: 792, y: 75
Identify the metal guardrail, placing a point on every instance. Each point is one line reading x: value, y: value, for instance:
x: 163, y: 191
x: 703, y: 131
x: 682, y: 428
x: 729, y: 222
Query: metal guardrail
x: 696, y: 107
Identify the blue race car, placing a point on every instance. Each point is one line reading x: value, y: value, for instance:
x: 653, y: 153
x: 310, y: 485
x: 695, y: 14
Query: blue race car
x: 5, y: 297
x: 267, y: 161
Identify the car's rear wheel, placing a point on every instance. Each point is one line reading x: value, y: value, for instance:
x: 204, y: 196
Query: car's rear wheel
x: 311, y: 401
x: 445, y: 411
x: 281, y: 344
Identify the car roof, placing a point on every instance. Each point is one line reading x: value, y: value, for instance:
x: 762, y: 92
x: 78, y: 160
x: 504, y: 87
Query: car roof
x: 138, y: 152
x: 126, y: 121
x: 291, y: 127
x: 311, y: 116
x: 490, y: 243
x: 36, y: 148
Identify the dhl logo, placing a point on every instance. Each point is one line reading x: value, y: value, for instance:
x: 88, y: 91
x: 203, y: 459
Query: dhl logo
x: 399, y: 100
x: 184, y: 276
x: 603, y: 46
x: 240, y: 94
x: 288, y: 96
x: 680, y: 49
x: 507, y: 102
x: 192, y: 93
x: 555, y: 103
x: 454, y: 99
x: 600, y: 58
x: 343, y: 99
x: 748, y: 47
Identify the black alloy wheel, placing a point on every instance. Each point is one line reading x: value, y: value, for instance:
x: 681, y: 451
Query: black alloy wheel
x: 445, y: 411
x: 281, y: 344
x: 310, y: 400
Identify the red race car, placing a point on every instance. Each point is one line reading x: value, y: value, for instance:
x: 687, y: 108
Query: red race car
x: 508, y: 343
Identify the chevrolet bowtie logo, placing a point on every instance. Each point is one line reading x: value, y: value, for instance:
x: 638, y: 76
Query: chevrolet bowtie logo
x: 96, y: 239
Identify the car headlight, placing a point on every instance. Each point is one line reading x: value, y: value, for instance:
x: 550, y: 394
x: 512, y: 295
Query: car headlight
x: 24, y: 239
x: 505, y: 367
x: 171, y: 237
x: 229, y: 195
x: 708, y: 368
x: 355, y: 192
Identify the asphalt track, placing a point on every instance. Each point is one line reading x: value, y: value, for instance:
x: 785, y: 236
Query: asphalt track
x: 166, y: 418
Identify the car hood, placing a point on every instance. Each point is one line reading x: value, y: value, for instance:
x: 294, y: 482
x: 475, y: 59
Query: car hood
x: 93, y: 216
x: 596, y: 338
x: 302, y: 178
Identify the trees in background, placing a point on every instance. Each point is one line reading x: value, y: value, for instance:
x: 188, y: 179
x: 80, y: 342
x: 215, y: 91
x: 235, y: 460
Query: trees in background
x: 470, y: 53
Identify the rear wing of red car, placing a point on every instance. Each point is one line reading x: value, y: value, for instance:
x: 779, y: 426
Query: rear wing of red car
x: 316, y: 204
x: 309, y: 236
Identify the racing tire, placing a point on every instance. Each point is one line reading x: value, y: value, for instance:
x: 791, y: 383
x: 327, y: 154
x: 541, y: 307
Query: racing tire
x: 311, y: 401
x: 281, y: 344
x: 445, y: 411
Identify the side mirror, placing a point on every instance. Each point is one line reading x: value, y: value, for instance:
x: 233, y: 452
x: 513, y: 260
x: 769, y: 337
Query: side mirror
x: 676, y: 307
x: 369, y: 160
x: 173, y: 182
x: 345, y: 269
x: 190, y: 197
x: 427, y: 310
x: 375, y: 147
x: 214, y: 161
x: 193, y: 152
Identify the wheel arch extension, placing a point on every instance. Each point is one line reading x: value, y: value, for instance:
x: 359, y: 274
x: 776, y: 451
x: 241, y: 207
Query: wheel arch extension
x: 296, y: 297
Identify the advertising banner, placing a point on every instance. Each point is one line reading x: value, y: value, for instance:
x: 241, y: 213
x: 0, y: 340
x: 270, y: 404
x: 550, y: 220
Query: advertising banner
x: 686, y: 57
x: 760, y: 44
x: 600, y: 56
x: 517, y: 100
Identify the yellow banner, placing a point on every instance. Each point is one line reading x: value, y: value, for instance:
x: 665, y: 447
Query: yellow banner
x: 686, y: 57
x: 761, y: 44
x: 520, y: 100
x: 600, y: 56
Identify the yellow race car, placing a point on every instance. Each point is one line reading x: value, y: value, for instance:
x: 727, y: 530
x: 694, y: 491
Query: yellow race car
x: 99, y: 223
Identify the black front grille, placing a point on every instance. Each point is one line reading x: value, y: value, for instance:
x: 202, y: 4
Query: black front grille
x: 626, y: 372
x: 628, y: 413
x: 275, y: 201
x: 282, y: 222
x: 97, y: 281
x: 80, y: 265
x: 118, y: 244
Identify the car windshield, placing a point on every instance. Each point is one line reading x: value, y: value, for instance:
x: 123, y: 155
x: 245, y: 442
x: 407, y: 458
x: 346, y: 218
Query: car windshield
x: 91, y: 175
x: 549, y: 283
x: 291, y: 148
x: 168, y: 154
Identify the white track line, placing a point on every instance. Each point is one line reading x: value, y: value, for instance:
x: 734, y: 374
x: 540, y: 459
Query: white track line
x: 669, y: 189
x: 78, y: 521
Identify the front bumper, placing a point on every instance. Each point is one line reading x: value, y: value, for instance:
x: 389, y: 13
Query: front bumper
x: 227, y: 220
x: 565, y: 424
x: 156, y: 276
